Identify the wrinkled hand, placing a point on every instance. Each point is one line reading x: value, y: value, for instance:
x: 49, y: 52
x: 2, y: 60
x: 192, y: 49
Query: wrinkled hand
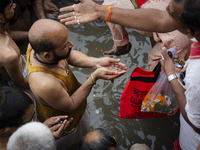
x: 84, y: 12
x: 56, y: 128
x: 167, y: 64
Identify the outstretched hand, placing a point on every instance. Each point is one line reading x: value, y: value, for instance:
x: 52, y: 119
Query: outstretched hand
x: 83, y: 12
x: 112, y: 65
x: 107, y: 62
x: 56, y: 128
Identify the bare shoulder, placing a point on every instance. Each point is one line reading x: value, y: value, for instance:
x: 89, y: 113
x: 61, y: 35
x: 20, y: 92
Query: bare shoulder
x: 8, y: 55
x: 43, y: 84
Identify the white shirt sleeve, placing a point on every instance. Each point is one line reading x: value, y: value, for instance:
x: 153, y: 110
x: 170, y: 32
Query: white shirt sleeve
x: 192, y: 92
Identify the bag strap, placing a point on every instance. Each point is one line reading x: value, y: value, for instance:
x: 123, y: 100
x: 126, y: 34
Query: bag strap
x: 157, y: 71
x: 148, y: 79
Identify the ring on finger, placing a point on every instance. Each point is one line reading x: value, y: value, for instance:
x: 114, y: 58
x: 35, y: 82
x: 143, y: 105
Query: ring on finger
x: 78, y: 21
x: 73, y: 6
x: 75, y: 17
x: 74, y: 13
x: 161, y: 60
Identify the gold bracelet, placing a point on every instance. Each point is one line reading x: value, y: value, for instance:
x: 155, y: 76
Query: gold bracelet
x: 93, y: 80
x: 109, y: 13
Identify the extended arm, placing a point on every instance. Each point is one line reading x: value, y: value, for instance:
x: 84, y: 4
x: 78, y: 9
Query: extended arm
x: 79, y: 59
x: 142, y: 19
x: 38, y: 7
x: 48, y: 89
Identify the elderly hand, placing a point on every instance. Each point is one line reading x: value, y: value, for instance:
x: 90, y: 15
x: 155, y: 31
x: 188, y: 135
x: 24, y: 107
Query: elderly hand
x: 83, y: 12
x: 56, y: 128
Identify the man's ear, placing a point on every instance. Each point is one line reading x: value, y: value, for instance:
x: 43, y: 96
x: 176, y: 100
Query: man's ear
x: 2, y: 20
x: 48, y: 55
x: 45, y: 55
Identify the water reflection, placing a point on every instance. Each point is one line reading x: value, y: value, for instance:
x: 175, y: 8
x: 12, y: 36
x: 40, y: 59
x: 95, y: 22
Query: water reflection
x: 104, y: 99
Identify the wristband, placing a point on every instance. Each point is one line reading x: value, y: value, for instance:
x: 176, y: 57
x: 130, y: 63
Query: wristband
x: 172, y: 77
x: 109, y: 13
x: 93, y: 79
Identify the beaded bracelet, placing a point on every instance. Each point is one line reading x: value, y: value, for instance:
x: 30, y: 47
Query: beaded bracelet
x: 109, y: 13
x: 93, y: 80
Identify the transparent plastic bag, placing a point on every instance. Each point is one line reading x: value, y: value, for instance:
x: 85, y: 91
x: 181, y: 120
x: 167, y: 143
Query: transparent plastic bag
x: 160, y: 97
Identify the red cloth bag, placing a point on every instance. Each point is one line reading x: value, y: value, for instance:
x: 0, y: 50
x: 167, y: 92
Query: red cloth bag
x: 138, y: 85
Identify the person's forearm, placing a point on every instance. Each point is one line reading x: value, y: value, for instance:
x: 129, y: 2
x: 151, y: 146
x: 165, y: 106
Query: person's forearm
x: 142, y: 19
x: 80, y: 59
x: 38, y: 7
x: 19, y: 36
x: 82, y: 93
x: 181, y: 99
x: 180, y: 96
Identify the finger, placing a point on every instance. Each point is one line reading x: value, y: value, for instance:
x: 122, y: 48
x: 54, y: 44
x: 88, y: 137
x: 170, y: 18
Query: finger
x: 112, y: 72
x: 58, y: 133
x: 164, y: 53
x: 51, y: 121
x: 123, y: 66
x: 66, y: 16
x: 110, y: 52
x: 61, y: 128
x: 114, y: 60
x: 55, y: 127
x: 121, y: 73
x: 68, y: 8
x: 176, y: 57
x: 63, y: 117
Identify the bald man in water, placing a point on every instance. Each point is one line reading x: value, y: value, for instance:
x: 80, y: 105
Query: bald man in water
x: 52, y: 82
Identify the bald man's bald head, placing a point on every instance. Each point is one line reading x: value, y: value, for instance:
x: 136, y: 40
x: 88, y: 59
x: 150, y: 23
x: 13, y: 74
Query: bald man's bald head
x: 44, y: 35
x: 98, y: 139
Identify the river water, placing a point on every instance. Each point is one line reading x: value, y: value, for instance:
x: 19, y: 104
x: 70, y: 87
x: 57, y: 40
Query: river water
x: 104, y: 99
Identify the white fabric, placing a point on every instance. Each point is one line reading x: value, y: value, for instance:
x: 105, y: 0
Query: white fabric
x: 188, y: 138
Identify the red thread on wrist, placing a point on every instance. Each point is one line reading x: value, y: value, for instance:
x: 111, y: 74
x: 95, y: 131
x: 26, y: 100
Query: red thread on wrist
x: 109, y: 13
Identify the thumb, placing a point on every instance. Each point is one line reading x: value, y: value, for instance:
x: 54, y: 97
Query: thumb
x: 109, y: 72
x: 114, y: 60
x: 164, y: 53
